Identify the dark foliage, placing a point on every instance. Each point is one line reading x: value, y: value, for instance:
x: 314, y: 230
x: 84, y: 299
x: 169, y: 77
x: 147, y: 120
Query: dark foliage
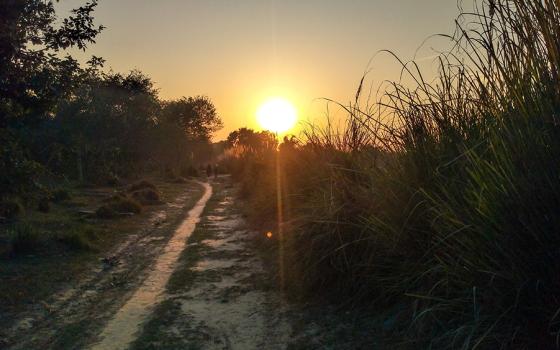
x: 60, y: 118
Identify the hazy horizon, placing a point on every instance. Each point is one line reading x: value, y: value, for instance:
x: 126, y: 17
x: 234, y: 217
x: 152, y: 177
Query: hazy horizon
x: 241, y: 53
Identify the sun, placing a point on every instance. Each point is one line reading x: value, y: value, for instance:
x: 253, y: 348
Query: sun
x: 277, y: 115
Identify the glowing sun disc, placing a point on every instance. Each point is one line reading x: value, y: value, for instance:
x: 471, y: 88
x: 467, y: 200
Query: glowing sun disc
x: 277, y: 115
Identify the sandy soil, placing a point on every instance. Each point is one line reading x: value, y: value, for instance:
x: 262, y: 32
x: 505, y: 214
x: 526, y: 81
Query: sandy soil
x: 216, y: 299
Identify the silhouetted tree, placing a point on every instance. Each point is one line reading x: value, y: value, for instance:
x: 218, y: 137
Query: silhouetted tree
x: 34, y: 77
x: 197, y: 119
x: 197, y: 115
x: 60, y: 118
x: 109, y: 123
x: 247, y: 140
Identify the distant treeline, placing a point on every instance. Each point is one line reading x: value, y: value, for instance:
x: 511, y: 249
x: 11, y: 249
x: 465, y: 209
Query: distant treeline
x: 62, y: 119
x: 436, y: 209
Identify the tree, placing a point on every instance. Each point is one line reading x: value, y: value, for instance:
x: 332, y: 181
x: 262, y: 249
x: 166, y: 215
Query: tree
x: 185, y: 128
x: 247, y: 140
x: 109, y: 123
x: 33, y: 76
x: 196, y: 115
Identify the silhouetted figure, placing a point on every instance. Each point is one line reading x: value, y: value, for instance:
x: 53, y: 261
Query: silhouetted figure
x: 216, y: 171
x: 208, y: 170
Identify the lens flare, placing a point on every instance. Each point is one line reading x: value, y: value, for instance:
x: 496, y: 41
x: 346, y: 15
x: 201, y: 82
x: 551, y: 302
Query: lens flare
x: 277, y: 115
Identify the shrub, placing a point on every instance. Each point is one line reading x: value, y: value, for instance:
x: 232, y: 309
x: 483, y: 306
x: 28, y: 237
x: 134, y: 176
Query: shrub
x: 146, y: 196
x: 117, y: 206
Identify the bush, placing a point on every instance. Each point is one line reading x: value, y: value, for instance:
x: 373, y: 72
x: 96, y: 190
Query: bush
x: 117, y: 206
x: 126, y: 205
x: 140, y: 185
x: 146, y: 196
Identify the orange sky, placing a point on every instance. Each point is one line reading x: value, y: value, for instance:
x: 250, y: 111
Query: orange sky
x: 240, y: 52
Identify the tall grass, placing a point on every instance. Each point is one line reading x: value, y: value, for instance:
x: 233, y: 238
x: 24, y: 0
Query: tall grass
x: 441, y: 200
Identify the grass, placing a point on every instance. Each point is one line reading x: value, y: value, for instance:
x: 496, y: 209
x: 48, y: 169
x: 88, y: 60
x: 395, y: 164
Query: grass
x: 117, y: 206
x: 147, y: 196
x: 142, y: 184
x: 441, y: 199
x: 82, y: 238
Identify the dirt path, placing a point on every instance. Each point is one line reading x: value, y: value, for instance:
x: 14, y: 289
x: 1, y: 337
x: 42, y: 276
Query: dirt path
x: 198, y: 283
x: 218, y: 298
x: 121, y: 329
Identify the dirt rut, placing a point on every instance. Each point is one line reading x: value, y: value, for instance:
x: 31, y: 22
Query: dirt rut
x: 219, y: 297
x: 121, y: 329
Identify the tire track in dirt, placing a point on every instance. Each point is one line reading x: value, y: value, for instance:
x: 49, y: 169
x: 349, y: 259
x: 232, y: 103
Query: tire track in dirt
x: 220, y: 296
x: 122, y: 328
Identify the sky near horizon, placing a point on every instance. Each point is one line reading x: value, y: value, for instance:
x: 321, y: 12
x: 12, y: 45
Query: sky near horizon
x: 241, y: 52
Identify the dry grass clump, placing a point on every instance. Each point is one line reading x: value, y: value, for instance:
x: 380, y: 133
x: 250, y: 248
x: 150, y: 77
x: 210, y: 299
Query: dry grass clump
x: 441, y: 200
x: 140, y: 185
x: 117, y: 206
x: 146, y: 196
